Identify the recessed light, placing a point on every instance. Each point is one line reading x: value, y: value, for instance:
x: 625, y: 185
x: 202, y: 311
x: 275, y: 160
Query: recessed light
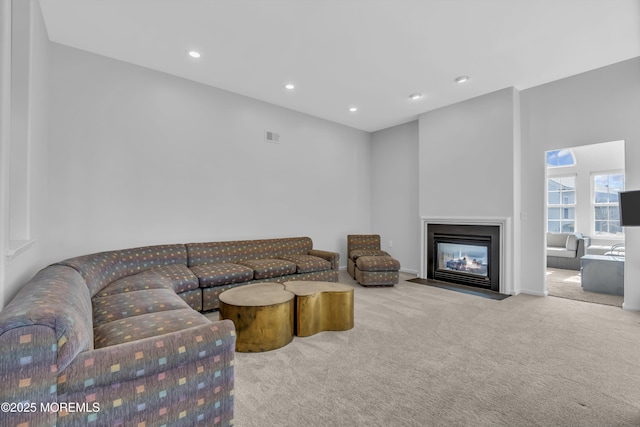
x: 194, y: 54
x: 289, y: 86
x: 462, y: 79
x: 353, y: 109
x: 415, y: 96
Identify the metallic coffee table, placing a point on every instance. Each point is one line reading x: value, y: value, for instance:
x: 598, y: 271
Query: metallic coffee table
x: 321, y: 306
x: 262, y: 314
x: 266, y: 315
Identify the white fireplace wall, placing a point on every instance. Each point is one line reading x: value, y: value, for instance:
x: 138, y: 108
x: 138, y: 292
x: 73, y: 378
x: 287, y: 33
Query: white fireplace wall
x: 467, y: 168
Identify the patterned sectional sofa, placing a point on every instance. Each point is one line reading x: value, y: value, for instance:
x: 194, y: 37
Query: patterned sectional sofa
x: 116, y: 338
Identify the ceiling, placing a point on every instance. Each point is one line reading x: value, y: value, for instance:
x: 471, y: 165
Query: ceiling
x: 371, y: 54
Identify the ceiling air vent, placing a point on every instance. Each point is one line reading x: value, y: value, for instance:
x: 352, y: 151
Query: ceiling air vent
x: 271, y: 137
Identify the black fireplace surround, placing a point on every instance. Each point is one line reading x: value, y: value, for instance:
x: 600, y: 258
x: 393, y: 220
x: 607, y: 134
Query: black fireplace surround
x: 477, y: 262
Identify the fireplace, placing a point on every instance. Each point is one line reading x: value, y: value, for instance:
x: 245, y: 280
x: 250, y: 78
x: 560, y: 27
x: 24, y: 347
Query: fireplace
x: 464, y: 254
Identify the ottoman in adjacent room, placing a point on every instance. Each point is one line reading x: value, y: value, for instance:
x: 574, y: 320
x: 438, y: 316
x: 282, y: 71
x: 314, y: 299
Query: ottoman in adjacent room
x: 603, y: 274
x: 377, y: 270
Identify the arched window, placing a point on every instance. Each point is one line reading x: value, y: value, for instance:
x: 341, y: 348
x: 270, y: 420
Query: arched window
x: 560, y: 158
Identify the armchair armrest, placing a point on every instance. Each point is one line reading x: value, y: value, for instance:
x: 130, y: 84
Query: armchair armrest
x: 332, y: 257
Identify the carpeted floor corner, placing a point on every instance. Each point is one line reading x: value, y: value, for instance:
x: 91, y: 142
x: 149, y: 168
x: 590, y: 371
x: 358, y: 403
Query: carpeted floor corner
x: 567, y: 284
x: 424, y: 356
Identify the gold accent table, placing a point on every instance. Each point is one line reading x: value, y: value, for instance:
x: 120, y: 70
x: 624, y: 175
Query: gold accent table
x: 262, y: 314
x: 321, y: 306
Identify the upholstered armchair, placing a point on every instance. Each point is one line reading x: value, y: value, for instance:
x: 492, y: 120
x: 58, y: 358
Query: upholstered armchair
x: 362, y: 245
x: 368, y: 264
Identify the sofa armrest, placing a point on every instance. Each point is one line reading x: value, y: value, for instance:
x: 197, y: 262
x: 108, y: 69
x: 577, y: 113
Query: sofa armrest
x: 583, y: 244
x: 149, y: 357
x: 332, y: 257
x: 27, y: 369
x: 182, y: 378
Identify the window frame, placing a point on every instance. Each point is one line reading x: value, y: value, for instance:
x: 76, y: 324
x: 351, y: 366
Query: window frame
x: 562, y: 205
x: 557, y: 153
x: 593, y: 205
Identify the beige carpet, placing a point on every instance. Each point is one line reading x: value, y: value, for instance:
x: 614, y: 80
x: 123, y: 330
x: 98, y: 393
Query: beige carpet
x: 423, y: 356
x: 566, y: 284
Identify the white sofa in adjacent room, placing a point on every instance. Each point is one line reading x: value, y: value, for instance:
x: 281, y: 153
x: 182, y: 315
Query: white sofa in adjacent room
x: 564, y: 250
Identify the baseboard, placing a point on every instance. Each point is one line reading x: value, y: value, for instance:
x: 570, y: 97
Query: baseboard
x: 402, y: 270
x: 629, y: 307
x: 535, y: 293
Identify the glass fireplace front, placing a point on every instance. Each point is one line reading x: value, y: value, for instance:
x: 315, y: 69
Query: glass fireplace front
x: 471, y: 259
x: 464, y: 254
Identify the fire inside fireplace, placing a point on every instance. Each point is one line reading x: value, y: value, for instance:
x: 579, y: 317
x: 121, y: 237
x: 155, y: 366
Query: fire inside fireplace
x: 464, y: 254
x: 469, y: 259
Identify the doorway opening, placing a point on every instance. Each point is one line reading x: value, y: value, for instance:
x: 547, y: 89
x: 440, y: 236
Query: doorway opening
x: 582, y: 219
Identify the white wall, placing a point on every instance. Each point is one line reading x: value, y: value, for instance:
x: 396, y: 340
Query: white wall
x: 394, y: 198
x: 467, y: 162
x: 466, y: 158
x: 29, y: 117
x: 594, y: 158
x: 139, y: 157
x: 593, y: 107
x: 5, y: 136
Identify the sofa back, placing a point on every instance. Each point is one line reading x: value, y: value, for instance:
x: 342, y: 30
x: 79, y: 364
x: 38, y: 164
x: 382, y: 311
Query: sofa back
x: 100, y: 269
x: 567, y: 241
x: 42, y: 330
x: 242, y: 250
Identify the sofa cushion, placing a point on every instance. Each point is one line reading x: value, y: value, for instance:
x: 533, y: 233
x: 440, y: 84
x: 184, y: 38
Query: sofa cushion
x: 265, y: 268
x: 145, y: 326
x: 181, y: 277
x: 193, y: 298
x: 572, y: 242
x: 149, y: 279
x: 222, y: 273
x: 307, y: 263
x: 557, y: 240
x: 128, y: 304
x: 175, y: 276
x: 560, y: 252
x: 356, y: 253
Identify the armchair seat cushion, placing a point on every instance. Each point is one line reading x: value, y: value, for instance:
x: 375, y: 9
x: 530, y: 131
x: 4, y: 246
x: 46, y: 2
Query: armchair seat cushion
x: 266, y: 268
x: 222, y: 273
x: 146, y: 325
x: 357, y: 253
x: 307, y: 263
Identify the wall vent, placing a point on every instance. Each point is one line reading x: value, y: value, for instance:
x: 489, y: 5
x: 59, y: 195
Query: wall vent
x: 271, y: 136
